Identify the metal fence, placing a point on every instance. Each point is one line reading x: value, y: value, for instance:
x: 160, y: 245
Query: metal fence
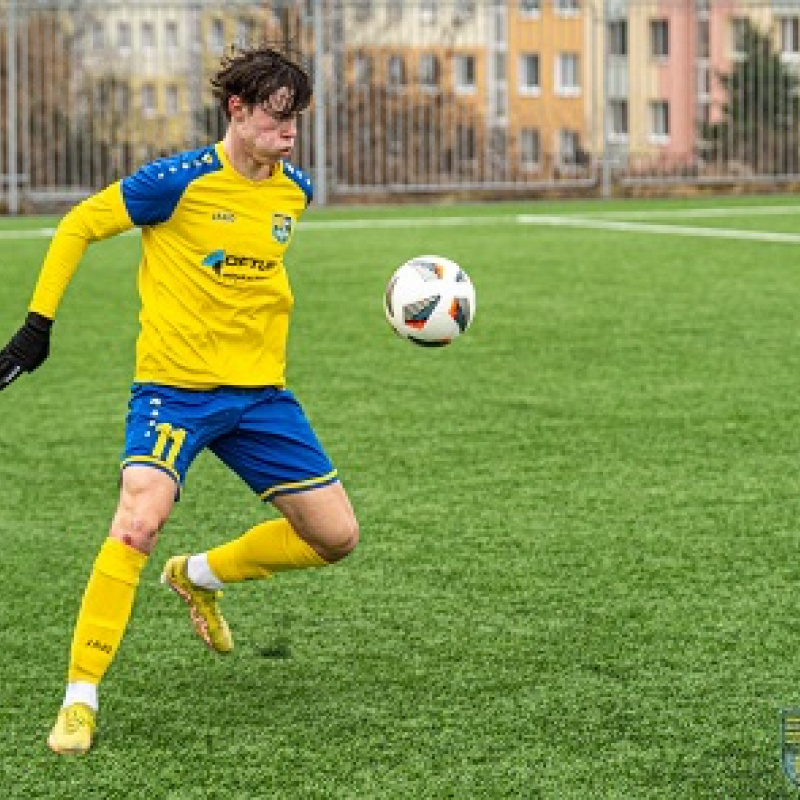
x: 412, y: 97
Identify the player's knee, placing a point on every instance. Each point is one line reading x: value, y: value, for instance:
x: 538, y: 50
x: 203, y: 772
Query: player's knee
x: 343, y: 541
x: 145, y: 502
x: 138, y: 530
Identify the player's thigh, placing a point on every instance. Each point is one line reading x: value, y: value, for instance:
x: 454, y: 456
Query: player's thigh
x: 324, y: 517
x: 273, y: 448
x: 165, y: 429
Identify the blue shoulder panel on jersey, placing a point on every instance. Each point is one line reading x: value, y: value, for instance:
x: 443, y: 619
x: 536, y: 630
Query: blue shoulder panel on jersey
x: 300, y: 178
x: 153, y: 192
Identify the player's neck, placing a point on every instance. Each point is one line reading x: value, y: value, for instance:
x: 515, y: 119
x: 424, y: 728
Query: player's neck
x: 243, y: 163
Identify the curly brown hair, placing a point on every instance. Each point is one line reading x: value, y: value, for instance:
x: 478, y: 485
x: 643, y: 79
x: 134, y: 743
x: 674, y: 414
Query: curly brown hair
x: 255, y: 74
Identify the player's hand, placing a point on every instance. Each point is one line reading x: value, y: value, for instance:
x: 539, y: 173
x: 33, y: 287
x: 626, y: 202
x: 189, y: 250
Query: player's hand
x: 26, y: 351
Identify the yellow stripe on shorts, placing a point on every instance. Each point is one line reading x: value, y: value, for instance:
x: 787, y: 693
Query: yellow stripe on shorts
x: 298, y: 486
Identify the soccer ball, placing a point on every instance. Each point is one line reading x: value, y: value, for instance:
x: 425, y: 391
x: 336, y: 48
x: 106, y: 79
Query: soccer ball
x: 430, y: 301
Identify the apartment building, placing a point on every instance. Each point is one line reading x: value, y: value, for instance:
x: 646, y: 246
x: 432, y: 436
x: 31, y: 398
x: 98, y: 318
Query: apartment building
x: 144, y: 70
x: 658, y: 75
x: 409, y: 83
x: 419, y: 94
x: 506, y: 79
x: 549, y: 117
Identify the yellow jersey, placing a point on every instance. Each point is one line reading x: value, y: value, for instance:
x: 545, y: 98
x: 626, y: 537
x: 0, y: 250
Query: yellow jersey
x: 215, y: 296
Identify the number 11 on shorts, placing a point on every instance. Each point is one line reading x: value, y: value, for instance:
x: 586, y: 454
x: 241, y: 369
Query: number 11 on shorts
x: 168, y: 437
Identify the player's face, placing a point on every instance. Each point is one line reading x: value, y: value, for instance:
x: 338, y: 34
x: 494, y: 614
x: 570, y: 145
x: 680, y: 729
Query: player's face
x: 264, y: 130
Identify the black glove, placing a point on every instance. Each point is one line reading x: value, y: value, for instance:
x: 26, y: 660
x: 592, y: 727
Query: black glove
x: 28, y: 348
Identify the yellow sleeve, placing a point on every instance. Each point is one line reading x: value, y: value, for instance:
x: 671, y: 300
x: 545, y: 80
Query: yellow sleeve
x: 98, y: 217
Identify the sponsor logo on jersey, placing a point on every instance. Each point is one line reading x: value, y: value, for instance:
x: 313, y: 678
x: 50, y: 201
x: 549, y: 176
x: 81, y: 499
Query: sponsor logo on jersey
x: 230, y: 265
x: 215, y: 260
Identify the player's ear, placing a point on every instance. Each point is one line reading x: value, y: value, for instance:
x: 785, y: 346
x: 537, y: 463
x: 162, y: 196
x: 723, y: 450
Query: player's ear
x: 235, y: 106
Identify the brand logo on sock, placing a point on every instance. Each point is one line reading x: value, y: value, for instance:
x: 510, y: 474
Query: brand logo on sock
x: 98, y: 645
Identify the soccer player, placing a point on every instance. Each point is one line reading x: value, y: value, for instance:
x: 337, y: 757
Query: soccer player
x: 210, y: 368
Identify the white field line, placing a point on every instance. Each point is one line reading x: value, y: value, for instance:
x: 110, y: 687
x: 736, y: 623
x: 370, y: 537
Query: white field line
x: 648, y: 227
x: 44, y: 233
x: 691, y: 213
x: 30, y: 233
x: 597, y: 220
x: 328, y: 224
x: 405, y: 222
x: 526, y: 219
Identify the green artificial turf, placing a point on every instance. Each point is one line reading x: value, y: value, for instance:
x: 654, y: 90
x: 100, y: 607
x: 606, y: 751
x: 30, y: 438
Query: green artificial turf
x: 578, y: 570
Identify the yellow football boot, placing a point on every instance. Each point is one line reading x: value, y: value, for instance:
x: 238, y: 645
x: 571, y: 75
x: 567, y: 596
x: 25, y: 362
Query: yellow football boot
x: 73, y: 731
x: 207, y: 620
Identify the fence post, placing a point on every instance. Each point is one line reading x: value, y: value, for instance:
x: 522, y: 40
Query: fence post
x: 194, y: 71
x: 320, y: 110
x: 605, y: 116
x: 11, y: 107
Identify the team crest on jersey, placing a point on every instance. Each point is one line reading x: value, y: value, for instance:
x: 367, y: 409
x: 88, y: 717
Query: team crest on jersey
x: 281, y: 227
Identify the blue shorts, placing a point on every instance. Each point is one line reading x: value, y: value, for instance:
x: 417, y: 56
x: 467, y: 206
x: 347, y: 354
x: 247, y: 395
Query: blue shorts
x: 263, y: 435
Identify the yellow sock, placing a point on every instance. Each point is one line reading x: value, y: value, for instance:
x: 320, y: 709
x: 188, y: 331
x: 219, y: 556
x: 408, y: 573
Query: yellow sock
x: 106, y: 607
x: 269, y: 547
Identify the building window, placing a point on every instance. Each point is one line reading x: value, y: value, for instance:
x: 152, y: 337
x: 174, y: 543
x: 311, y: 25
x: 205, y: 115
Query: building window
x: 245, y: 29
x: 499, y: 66
x: 363, y: 10
x: 567, y: 8
x: 530, y: 148
x: 703, y: 39
x: 394, y: 11
x: 148, y: 35
x: 618, y: 122
x: 148, y: 99
x: 464, y: 10
x: 659, y: 38
x: 500, y: 102
x: 568, y: 74
x: 704, y: 114
x: 98, y: 36
x: 123, y: 99
x: 362, y: 71
x: 659, y: 120
x: 703, y: 81
x: 395, y: 137
x: 497, y: 143
x: 464, y: 69
x: 216, y: 36
x: 364, y: 139
x: 618, y: 37
x: 529, y: 77
x: 465, y: 142
x: 428, y: 12
x: 789, y: 28
x: 568, y: 146
x: 428, y: 71
x: 171, y: 34
x: 396, y: 71
x: 529, y: 8
x: 499, y: 29
x: 739, y: 37
x: 171, y: 99
x: 124, y: 35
